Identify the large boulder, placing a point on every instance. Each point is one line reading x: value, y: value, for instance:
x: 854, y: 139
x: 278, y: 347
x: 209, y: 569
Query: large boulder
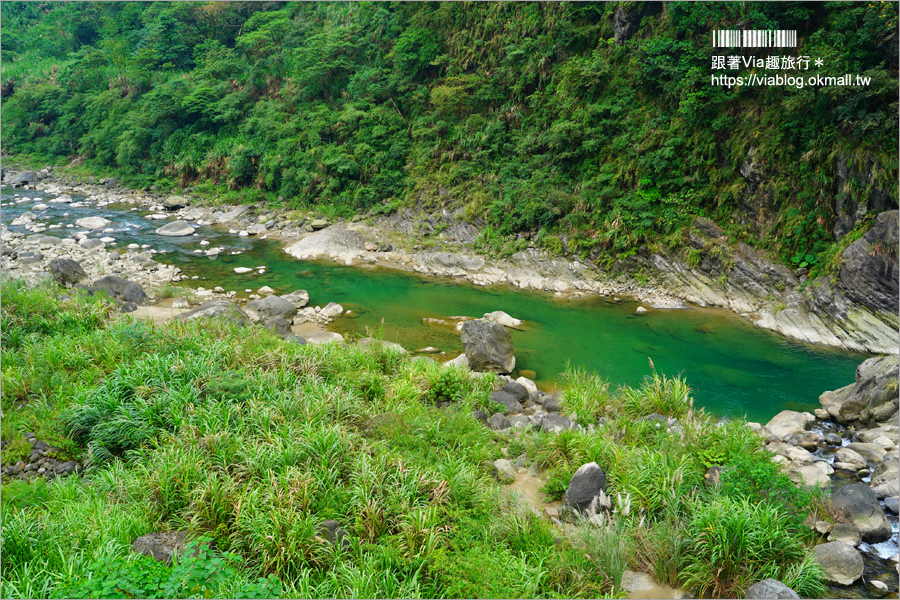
x: 504, y: 470
x: 841, y: 563
x: 885, y: 480
x: 216, y: 308
x: 770, y: 589
x: 864, y: 511
x: 92, y: 222
x: 488, y: 346
x: 872, y: 398
x: 175, y: 202
x: 299, y: 299
x: 509, y: 403
x: 788, y: 423
x: 66, y: 271
x: 23, y: 178
x: 586, y: 484
x: 270, y: 306
x: 120, y: 289
x: 176, y: 229
x: 869, y: 270
x: 501, y: 318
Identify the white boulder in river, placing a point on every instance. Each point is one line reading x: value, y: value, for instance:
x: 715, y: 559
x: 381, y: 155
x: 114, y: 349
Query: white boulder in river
x: 93, y: 222
x: 500, y: 317
x: 176, y: 229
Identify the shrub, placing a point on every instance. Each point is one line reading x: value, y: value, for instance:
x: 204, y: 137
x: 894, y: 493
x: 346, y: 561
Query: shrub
x: 198, y: 572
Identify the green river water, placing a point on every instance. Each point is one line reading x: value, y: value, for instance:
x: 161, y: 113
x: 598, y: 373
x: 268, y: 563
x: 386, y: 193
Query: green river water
x: 734, y: 368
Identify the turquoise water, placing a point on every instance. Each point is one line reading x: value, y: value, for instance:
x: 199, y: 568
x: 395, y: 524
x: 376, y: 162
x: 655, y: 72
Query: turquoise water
x: 734, y: 368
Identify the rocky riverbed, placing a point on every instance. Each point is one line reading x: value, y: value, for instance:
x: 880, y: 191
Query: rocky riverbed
x: 855, y: 310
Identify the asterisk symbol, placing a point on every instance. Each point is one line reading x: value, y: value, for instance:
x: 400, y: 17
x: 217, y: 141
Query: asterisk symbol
x: 819, y: 62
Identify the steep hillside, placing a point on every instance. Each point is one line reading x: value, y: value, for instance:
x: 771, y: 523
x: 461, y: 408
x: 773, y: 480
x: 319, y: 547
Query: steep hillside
x: 586, y: 128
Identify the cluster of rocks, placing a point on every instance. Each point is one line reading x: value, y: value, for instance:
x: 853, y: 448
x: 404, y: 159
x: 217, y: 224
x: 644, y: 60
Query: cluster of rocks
x: 43, y: 460
x: 279, y: 314
x: 522, y: 407
x: 37, y: 257
x: 852, y: 446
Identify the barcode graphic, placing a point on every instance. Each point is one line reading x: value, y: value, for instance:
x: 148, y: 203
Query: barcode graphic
x: 755, y: 38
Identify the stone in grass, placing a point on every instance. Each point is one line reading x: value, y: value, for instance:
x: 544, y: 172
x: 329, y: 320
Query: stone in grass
x: 841, y: 563
x: 504, y: 471
x: 508, y: 402
x: 770, y: 589
x: 516, y: 390
x: 161, y: 546
x: 270, y: 306
x: 498, y: 422
x: 331, y: 532
x: 278, y: 325
x: 586, y: 484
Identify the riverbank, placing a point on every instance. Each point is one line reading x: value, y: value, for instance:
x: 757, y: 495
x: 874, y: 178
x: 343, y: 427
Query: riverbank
x: 413, y: 470
x: 440, y: 244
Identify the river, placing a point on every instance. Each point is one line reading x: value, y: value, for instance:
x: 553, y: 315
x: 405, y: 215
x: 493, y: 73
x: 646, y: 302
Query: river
x: 734, y: 368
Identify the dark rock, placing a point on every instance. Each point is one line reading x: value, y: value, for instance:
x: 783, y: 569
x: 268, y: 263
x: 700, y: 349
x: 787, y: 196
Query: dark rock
x: 480, y: 415
x: 295, y: 339
x: 278, y: 326
x: 872, y: 398
x: 552, y: 403
x: 516, y: 390
x: 161, y: 546
x: 23, y: 178
x: 66, y: 271
x: 627, y: 19
x: 271, y: 306
x: 770, y: 589
x: 556, y: 423
x: 510, y: 404
x: 128, y: 307
x: 488, y: 345
x: 216, y: 308
x: 869, y: 271
x: 586, y: 484
x: 67, y: 468
x: 864, y: 511
x: 834, y: 439
x: 120, y: 289
x: 498, y: 422
x: 332, y: 532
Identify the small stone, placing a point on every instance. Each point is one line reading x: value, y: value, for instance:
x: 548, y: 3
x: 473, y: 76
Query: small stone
x: 242, y: 271
x: 640, y: 310
x: 265, y: 290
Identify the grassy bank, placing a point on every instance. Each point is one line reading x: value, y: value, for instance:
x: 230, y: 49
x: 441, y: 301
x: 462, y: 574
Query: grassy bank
x: 252, y: 443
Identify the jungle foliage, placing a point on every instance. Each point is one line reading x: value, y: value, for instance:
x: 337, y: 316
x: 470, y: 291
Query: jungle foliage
x: 532, y: 114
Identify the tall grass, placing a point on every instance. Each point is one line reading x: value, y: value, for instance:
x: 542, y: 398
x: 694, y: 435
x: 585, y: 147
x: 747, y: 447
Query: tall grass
x: 233, y: 434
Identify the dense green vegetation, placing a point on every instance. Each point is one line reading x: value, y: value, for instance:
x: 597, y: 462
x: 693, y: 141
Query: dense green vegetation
x: 528, y: 113
x: 253, y: 442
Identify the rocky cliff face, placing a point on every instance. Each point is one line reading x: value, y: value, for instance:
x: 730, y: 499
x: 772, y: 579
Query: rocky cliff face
x: 856, y: 310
